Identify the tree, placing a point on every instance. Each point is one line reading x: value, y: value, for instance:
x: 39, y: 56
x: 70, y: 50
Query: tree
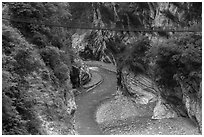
x: 183, y: 14
x: 35, y: 85
x: 57, y: 13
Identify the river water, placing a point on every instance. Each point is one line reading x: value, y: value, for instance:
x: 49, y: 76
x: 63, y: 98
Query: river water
x: 87, y: 104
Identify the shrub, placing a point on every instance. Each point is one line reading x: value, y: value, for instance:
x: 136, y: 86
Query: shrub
x: 180, y: 56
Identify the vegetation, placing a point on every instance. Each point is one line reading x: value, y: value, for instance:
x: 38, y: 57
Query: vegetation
x: 179, y: 56
x: 140, y: 51
x: 37, y: 60
x: 172, y: 60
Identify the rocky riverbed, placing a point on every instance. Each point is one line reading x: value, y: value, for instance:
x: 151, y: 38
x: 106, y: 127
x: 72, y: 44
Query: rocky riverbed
x: 103, y: 111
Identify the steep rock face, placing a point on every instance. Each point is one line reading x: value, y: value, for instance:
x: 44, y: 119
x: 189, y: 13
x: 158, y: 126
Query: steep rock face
x: 143, y: 89
x: 85, y: 75
x: 92, y: 51
x: 169, y: 105
x: 193, y: 104
x: 54, y: 107
x: 80, y: 73
x: 37, y: 97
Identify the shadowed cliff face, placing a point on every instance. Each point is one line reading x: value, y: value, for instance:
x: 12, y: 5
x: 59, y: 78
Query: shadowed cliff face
x: 193, y: 104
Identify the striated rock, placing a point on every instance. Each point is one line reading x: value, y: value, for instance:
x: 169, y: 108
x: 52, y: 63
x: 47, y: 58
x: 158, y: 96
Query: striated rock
x: 107, y: 57
x: 143, y: 89
x: 95, y: 80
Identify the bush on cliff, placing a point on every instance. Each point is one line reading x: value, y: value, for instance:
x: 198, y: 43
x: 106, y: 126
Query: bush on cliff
x: 33, y: 92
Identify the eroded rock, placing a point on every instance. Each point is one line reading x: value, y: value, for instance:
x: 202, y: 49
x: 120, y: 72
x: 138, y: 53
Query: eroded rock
x: 193, y: 104
x: 143, y: 89
x: 163, y: 110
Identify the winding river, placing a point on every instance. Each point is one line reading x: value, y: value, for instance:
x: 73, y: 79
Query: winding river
x: 87, y: 103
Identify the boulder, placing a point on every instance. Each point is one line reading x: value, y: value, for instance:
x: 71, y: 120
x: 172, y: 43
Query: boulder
x: 163, y: 110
